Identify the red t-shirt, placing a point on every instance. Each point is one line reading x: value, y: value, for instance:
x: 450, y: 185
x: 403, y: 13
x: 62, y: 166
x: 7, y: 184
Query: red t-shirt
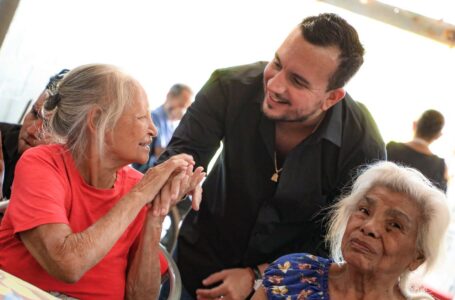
x: 49, y: 189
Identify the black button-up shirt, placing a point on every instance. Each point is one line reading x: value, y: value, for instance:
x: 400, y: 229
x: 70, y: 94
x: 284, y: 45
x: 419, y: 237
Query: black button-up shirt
x: 245, y: 218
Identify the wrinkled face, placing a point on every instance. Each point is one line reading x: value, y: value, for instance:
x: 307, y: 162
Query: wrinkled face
x: 130, y: 139
x: 295, y: 81
x: 177, y: 106
x: 31, y: 133
x: 381, y: 234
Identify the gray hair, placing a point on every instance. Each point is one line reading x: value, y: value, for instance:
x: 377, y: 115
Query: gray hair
x: 178, y: 88
x: 430, y: 200
x: 88, y: 87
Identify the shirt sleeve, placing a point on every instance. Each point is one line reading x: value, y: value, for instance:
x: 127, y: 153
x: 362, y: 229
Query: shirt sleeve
x: 297, y: 276
x: 38, y: 194
x: 202, y: 127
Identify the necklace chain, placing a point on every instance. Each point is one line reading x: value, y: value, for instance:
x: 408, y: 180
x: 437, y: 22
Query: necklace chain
x: 276, y: 175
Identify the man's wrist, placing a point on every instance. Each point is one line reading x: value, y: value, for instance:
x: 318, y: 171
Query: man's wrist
x: 257, y: 277
x: 256, y: 272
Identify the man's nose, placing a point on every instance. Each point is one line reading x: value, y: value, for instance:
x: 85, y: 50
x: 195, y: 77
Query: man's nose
x: 277, y: 83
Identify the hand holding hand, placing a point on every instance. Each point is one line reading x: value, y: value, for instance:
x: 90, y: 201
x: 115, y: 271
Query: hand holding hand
x: 182, y: 183
x: 156, y: 178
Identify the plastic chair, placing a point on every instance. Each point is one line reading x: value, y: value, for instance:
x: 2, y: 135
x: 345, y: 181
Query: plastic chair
x: 3, y: 206
x: 172, y: 223
x: 173, y: 274
x: 171, y: 226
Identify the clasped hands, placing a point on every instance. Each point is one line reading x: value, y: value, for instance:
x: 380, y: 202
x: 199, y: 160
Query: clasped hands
x: 168, y: 183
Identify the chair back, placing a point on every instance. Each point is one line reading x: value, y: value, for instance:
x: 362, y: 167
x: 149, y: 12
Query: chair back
x: 175, y: 281
x: 3, y: 205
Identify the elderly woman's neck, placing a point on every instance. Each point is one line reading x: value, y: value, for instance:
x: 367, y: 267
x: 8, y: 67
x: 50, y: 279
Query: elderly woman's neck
x: 97, y: 172
x: 349, y: 284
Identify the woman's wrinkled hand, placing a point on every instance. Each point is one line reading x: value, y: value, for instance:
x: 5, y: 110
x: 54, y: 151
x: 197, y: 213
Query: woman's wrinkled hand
x: 180, y: 184
x: 185, y: 182
x: 159, y: 176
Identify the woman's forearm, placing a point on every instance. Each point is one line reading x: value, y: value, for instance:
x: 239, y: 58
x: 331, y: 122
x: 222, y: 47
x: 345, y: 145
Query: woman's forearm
x: 144, y: 278
x: 67, y: 255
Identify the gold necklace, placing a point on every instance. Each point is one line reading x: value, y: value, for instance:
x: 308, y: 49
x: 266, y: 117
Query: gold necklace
x: 276, y: 175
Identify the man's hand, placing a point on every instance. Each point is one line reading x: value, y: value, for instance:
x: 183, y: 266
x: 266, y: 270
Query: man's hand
x: 235, y: 284
x: 157, y: 178
x: 180, y: 184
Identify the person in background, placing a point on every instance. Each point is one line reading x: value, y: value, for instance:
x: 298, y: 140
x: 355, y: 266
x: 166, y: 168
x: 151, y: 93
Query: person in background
x: 81, y: 222
x: 166, y: 118
x: 16, y: 138
x: 417, y: 154
x: 292, y: 137
x: 391, y: 223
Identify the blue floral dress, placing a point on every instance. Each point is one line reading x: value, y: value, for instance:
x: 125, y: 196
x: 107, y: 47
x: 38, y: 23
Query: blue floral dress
x: 298, y: 276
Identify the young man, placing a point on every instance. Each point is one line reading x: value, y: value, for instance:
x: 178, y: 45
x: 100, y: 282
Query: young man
x: 291, y: 137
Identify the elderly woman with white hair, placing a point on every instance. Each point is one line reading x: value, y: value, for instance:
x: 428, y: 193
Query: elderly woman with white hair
x: 392, y: 222
x: 81, y: 222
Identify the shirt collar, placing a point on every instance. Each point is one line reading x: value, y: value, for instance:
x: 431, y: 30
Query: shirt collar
x: 331, y: 127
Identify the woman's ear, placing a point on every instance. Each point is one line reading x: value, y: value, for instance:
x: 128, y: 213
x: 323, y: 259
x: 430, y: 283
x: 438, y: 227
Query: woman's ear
x: 418, y: 260
x: 93, y: 119
x: 334, y: 96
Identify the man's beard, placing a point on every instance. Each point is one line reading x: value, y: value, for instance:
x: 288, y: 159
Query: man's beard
x: 295, y: 118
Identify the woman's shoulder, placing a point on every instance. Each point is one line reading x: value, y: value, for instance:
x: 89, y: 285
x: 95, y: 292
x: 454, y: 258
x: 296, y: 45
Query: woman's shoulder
x: 50, y: 149
x: 299, y: 274
x: 302, y: 261
x: 44, y: 153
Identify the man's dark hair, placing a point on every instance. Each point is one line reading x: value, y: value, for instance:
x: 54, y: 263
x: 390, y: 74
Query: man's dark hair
x: 327, y: 30
x: 178, y: 88
x: 429, y: 124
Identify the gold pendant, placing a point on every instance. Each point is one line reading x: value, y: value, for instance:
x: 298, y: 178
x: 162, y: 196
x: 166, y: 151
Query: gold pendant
x: 274, y: 177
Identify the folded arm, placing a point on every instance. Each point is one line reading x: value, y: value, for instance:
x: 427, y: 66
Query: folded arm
x: 68, y: 255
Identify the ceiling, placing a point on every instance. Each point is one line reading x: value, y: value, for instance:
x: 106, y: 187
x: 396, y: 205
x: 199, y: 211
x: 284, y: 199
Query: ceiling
x: 433, y: 19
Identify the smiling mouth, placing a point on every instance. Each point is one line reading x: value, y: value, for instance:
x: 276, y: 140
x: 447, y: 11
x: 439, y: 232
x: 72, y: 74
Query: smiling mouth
x: 362, y: 246
x: 276, y: 99
x: 145, y: 145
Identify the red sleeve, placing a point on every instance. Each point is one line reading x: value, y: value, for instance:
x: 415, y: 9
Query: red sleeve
x: 39, y: 189
x: 163, y: 264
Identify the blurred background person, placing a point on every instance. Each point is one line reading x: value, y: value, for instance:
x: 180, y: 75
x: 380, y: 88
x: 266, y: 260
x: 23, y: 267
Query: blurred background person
x: 417, y: 154
x: 16, y: 138
x: 166, y: 118
x: 391, y: 223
